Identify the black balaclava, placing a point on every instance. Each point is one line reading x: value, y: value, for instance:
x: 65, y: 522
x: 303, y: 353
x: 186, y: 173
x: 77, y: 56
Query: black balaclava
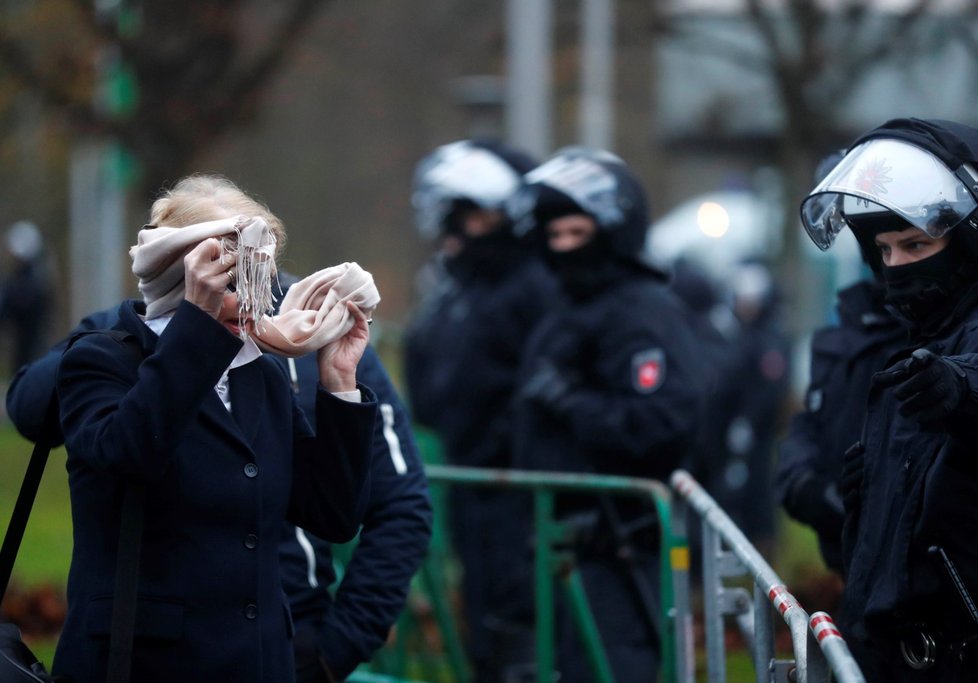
x: 490, y: 255
x: 587, y: 269
x: 582, y: 271
x: 925, y: 293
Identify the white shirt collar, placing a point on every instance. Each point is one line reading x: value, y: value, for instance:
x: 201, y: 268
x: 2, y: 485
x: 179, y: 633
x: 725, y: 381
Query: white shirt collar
x: 246, y: 354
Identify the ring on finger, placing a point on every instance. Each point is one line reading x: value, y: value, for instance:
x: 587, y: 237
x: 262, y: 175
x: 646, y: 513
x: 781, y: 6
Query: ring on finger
x: 231, y: 274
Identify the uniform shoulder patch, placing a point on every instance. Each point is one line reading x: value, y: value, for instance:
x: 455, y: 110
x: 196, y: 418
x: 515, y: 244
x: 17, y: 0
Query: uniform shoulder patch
x: 648, y: 370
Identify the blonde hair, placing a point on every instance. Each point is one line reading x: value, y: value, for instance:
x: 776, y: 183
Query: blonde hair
x: 204, y: 197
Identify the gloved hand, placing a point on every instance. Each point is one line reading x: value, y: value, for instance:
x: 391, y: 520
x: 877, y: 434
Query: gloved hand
x: 851, y: 479
x: 928, y: 386
x: 548, y: 386
x: 816, y: 502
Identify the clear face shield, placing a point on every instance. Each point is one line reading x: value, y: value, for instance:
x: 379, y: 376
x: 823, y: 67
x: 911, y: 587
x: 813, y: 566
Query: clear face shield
x: 580, y: 177
x: 459, y: 171
x: 885, y: 175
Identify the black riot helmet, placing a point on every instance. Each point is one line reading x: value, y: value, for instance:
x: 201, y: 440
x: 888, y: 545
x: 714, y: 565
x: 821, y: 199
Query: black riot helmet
x: 588, y: 181
x: 467, y: 174
x: 907, y: 174
x: 915, y: 172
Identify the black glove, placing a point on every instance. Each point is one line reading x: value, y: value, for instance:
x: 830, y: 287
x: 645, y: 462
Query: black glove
x: 816, y: 502
x: 928, y: 386
x: 852, y: 477
x: 547, y: 386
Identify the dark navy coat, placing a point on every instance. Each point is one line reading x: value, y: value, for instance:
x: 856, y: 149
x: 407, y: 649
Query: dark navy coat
x: 219, y: 485
x: 392, y: 544
x: 634, y: 389
x: 611, y: 384
x: 843, y: 359
x: 918, y: 490
x: 462, y: 354
x: 396, y: 529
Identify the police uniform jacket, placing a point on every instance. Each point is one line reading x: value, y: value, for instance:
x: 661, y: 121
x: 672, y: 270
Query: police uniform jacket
x: 609, y: 382
x: 218, y: 486
x: 843, y: 359
x: 463, y: 353
x: 393, y: 541
x: 919, y: 488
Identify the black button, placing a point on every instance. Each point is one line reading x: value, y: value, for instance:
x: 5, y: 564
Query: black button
x: 251, y: 470
x: 251, y: 611
x: 251, y: 541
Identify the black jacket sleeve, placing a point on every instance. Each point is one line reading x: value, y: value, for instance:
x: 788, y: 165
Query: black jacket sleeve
x: 393, y: 541
x: 30, y: 389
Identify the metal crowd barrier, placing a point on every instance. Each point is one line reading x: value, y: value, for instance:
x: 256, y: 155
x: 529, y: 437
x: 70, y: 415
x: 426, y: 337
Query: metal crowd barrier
x: 551, y: 562
x: 817, y: 645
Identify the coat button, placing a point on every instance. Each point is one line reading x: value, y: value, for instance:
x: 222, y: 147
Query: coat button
x: 251, y: 611
x: 251, y: 541
x: 251, y: 470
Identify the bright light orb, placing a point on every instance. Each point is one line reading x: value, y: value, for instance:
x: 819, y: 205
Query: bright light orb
x: 713, y: 220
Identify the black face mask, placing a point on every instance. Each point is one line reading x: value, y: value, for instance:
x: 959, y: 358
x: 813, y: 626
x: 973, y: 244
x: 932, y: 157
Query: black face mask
x: 491, y: 255
x: 585, y: 270
x: 922, y: 291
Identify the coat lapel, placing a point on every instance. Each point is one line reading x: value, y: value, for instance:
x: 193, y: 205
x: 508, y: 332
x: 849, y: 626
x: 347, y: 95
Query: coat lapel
x: 243, y: 426
x: 214, y: 412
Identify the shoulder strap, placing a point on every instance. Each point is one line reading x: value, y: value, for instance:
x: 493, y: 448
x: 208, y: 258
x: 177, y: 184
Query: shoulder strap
x: 28, y: 492
x: 130, y: 533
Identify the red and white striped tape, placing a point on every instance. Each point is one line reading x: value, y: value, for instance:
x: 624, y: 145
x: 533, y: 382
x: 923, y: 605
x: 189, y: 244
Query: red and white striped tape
x: 781, y: 598
x: 823, y: 627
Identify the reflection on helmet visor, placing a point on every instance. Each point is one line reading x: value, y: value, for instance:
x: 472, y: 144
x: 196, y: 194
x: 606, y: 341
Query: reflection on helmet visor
x: 587, y: 183
x: 459, y: 171
x: 884, y: 174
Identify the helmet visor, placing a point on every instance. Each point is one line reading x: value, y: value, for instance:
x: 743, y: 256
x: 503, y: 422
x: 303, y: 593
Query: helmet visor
x: 886, y: 175
x: 459, y: 171
x: 582, y: 179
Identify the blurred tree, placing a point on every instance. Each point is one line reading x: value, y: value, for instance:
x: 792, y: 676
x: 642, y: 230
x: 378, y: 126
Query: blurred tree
x: 166, y: 78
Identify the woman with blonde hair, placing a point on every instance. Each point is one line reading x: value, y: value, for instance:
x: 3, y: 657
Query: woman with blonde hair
x: 180, y: 400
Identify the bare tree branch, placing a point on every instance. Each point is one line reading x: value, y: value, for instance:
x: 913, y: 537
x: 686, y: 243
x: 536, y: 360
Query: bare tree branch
x: 194, y: 65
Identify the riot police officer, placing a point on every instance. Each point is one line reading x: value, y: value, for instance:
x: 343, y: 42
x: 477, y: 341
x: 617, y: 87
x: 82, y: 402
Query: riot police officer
x: 462, y: 353
x: 910, y: 484
x: 608, y: 385
x: 844, y: 357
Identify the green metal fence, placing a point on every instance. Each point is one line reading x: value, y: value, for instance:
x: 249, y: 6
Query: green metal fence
x: 553, y: 566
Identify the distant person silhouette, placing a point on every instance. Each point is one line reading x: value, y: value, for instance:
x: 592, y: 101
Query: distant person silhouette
x: 25, y: 296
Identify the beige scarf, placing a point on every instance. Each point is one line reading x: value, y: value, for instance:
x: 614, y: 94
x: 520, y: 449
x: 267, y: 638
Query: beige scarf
x: 313, y: 314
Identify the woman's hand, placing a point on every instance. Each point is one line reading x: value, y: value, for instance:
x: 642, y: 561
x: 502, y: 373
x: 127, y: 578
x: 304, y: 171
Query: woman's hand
x: 338, y: 360
x: 206, y: 278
